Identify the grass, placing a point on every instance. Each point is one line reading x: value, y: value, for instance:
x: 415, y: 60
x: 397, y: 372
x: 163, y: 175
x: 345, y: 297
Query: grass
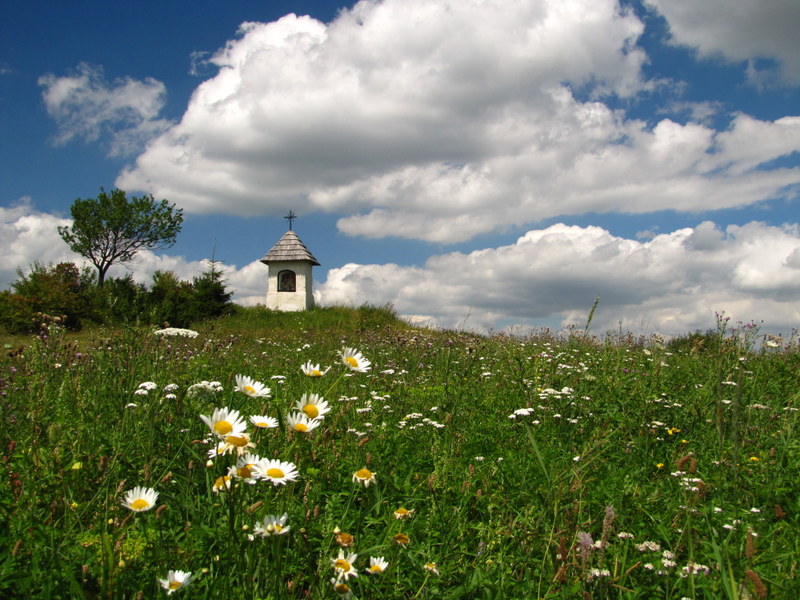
x: 545, y: 467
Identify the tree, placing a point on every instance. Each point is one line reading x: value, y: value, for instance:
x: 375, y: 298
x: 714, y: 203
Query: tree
x: 112, y: 229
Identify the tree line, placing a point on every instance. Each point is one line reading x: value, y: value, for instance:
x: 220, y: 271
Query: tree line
x: 106, y: 230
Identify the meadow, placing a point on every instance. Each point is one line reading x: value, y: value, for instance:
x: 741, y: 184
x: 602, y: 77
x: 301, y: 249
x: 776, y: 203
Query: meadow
x: 455, y: 466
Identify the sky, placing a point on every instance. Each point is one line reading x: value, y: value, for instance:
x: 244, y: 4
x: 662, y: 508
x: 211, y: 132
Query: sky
x: 485, y: 164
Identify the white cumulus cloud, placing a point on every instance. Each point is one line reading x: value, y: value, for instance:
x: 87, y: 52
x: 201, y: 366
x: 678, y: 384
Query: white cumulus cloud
x: 739, y: 31
x: 444, y: 120
x: 673, y: 283
x: 123, y: 113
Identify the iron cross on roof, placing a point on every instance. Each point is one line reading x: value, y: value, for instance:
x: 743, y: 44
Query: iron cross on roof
x: 290, y: 217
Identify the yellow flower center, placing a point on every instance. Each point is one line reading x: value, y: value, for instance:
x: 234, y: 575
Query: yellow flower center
x: 301, y: 427
x: 316, y: 373
x: 222, y: 427
x: 401, y: 512
x: 276, y: 473
x: 311, y: 411
x: 364, y: 474
x: 262, y: 424
x: 341, y: 588
x: 376, y: 569
x: 221, y: 482
x: 245, y: 472
x: 352, y: 362
x: 236, y: 440
x: 249, y: 390
x: 401, y: 538
x: 174, y: 585
x: 140, y: 504
x: 342, y: 565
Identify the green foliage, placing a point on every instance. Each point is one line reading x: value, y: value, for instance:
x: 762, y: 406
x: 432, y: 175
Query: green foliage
x: 58, y: 290
x: 535, y: 468
x: 111, y: 228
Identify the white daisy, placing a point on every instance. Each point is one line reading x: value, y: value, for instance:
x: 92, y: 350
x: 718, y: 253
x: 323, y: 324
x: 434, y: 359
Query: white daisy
x: 140, y: 499
x: 264, y: 422
x: 251, y: 387
x: 313, y: 370
x: 313, y: 405
x: 279, y: 472
x: 364, y: 476
x: 343, y: 565
x: 355, y: 361
x: 377, y: 565
x: 297, y: 421
x: 224, y: 422
x: 272, y: 525
x: 175, y: 580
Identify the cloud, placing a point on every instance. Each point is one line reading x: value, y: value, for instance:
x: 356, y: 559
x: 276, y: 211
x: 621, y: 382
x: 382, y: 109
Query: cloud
x: 739, y: 31
x: 442, y: 121
x: 29, y: 236
x: 123, y: 113
x: 673, y: 283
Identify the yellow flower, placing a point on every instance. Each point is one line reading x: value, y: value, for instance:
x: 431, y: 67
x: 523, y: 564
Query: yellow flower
x: 140, y: 499
x: 300, y: 422
x: 264, y: 422
x: 659, y: 465
x: 223, y: 422
x: 251, y: 387
x: 345, y: 540
x: 431, y: 566
x: 175, y: 580
x: 279, y: 472
x: 403, y: 513
x: 355, y: 361
x: 313, y: 370
x: 754, y: 459
x: 343, y: 565
x: 402, y: 539
x: 342, y: 589
x: 314, y: 406
x: 221, y: 483
x: 364, y: 476
x: 377, y: 565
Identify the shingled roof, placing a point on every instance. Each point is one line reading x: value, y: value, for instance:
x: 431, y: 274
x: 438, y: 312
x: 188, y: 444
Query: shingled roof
x: 289, y: 247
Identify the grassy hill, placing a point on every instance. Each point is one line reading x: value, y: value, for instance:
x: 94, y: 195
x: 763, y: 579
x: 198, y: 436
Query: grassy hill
x: 471, y: 466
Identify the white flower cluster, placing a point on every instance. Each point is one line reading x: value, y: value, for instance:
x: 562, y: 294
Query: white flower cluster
x: 176, y: 332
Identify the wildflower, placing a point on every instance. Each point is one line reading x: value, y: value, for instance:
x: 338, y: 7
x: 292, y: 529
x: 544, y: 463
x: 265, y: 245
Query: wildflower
x: 224, y: 422
x: 314, y: 406
x: 355, y: 361
x: 377, y: 565
x: 651, y: 546
x: 364, y: 476
x: 431, y: 568
x: 754, y: 459
x: 176, y: 332
x: 175, y: 580
x: 343, y: 565
x: 245, y: 468
x: 313, y: 370
x: 342, y: 589
x: 272, y: 525
x: 239, y: 442
x: 221, y: 483
x: 402, y: 513
x: 402, y: 539
x: 300, y: 422
x: 140, y: 499
x: 251, y: 387
x: 345, y: 540
x: 264, y: 422
x: 279, y: 472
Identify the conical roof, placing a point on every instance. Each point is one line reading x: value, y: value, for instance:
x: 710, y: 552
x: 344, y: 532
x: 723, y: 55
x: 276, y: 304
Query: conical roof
x: 289, y: 247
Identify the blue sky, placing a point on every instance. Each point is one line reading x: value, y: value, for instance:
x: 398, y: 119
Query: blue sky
x: 485, y: 164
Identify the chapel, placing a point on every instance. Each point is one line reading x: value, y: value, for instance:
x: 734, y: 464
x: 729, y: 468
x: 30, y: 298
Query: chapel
x: 289, y: 282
